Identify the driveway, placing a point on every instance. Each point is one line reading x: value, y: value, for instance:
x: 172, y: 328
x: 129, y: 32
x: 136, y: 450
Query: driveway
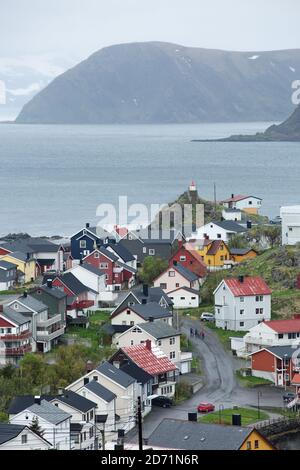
x: 220, y: 385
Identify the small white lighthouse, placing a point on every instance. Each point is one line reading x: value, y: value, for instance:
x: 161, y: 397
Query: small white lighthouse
x: 192, y: 186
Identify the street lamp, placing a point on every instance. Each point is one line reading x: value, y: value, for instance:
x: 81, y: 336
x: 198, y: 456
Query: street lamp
x: 259, y: 394
x: 221, y: 408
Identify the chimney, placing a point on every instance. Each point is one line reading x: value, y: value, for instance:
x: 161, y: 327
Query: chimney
x: 145, y: 290
x: 1, y: 308
x: 249, y: 224
x: 87, y: 225
x: 192, y: 417
x: 241, y: 279
x: 60, y: 391
x: 81, y: 262
x: 37, y: 400
x: 24, y: 294
x: 151, y: 319
x: 148, y: 344
x: 85, y: 380
x: 116, y: 364
x: 89, y: 366
x: 232, y: 196
x: 49, y: 283
x: 236, y: 420
x: 175, y: 262
x: 27, y: 256
x: 144, y: 301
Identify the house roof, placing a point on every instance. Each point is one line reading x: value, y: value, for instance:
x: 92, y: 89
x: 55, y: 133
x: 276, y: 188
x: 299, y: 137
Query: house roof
x: 214, y: 247
x: 186, y: 273
x: 284, y: 326
x: 31, y: 303
x: 154, y: 294
x: 93, y: 269
x: 19, y: 255
x: 189, y: 435
x: 9, y: 431
x: 239, y: 197
x: 108, y: 253
x: 45, y: 261
x: 153, y: 361
x: 188, y: 289
x: 296, y: 379
x: 101, y: 391
x: 110, y: 329
x: 250, y: 286
x: 280, y: 351
x: 159, y: 329
x: 121, y: 251
x: 14, y: 316
x: 76, y: 401
x: 31, y: 245
x: 49, y: 412
x: 73, y: 283
x: 151, y: 309
x: 5, y: 265
x: 241, y: 251
x: 22, y: 402
x: 229, y: 225
x: 140, y: 375
x: 116, y: 375
x: 53, y: 291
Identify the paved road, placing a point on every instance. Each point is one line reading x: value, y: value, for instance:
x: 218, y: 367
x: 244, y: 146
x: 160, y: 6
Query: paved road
x: 220, y: 385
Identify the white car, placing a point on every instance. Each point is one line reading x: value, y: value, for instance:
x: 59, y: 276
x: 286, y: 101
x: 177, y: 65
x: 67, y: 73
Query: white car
x: 205, y: 316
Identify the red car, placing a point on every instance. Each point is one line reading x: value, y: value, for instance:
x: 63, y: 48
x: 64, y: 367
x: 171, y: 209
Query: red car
x: 206, y: 407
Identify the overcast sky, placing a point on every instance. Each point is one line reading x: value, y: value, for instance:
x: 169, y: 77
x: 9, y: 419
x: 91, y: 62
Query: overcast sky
x: 76, y: 28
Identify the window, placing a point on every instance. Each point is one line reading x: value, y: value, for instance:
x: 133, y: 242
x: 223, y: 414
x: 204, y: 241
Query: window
x: 280, y: 336
x: 172, y: 341
x: 242, y: 323
x: 182, y: 258
x: 159, y: 342
x: 82, y: 243
x: 172, y: 355
x: 163, y: 285
x: 151, y: 252
x: 222, y: 258
x: 132, y: 323
x: 242, y: 312
x: 261, y: 311
x: 96, y: 255
x: 221, y: 247
x: 144, y: 249
x: 292, y: 335
x: 91, y: 432
x: 257, y: 311
x: 193, y: 298
x: 128, y: 311
x: 242, y: 299
x: 171, y: 273
x: 103, y: 266
x: 177, y: 284
x: 219, y: 235
x: 131, y: 342
x: 250, y: 203
x: 248, y: 445
x: 256, y: 444
x: 182, y: 298
x: 24, y: 439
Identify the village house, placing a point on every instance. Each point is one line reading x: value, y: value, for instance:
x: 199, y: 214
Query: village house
x: 190, y: 260
x: 118, y: 276
x: 215, y: 254
x: 290, y: 217
x: 15, y: 437
x: 279, y: 364
x: 53, y: 297
x: 46, y: 329
x: 140, y: 313
x: 87, y: 240
x: 175, y: 277
x: 249, y: 204
x: 232, y: 214
x: 239, y: 255
x: 241, y: 303
x: 15, y: 336
x: 144, y: 382
x: 119, y: 383
x: 218, y: 230
x: 25, y: 264
x: 193, y: 435
x: 123, y: 254
x: 92, y: 277
x: 53, y: 421
x: 268, y: 334
x: 185, y: 297
x: 8, y: 275
x: 152, y: 360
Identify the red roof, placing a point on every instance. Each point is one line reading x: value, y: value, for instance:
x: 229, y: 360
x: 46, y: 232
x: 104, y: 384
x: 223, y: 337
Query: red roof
x: 284, y: 326
x: 238, y: 197
x: 296, y: 379
x: 148, y: 361
x: 249, y: 286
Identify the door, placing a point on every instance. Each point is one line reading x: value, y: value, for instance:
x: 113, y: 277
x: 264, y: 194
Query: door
x: 280, y: 380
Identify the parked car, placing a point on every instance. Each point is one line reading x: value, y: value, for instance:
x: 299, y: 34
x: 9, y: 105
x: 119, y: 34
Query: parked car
x: 162, y: 401
x: 276, y: 221
x: 205, y: 316
x: 288, y: 396
x: 206, y: 407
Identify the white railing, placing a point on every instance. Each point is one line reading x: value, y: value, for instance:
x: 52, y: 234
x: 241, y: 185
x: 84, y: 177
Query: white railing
x: 50, y: 321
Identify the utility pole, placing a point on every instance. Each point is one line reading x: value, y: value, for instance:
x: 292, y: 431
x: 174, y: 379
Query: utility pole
x: 140, y: 425
x: 215, y: 198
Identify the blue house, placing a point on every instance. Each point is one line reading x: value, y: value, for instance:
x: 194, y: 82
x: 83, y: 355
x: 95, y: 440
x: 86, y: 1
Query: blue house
x: 88, y: 239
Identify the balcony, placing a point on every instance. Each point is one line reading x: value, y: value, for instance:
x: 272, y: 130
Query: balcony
x: 83, y: 304
x: 49, y: 322
x: 11, y: 352
x: 46, y: 336
x: 27, y: 334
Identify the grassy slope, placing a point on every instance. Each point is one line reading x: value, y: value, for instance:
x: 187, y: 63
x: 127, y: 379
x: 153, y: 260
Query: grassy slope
x: 249, y: 416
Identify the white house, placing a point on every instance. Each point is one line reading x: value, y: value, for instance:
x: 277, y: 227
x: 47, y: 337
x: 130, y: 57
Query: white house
x: 177, y: 276
x: 242, y: 303
x: 16, y: 437
x: 119, y: 383
x: 139, y: 313
x: 232, y: 214
x: 91, y: 277
x: 8, y: 275
x: 250, y: 204
x: 290, y: 216
x: 53, y: 421
x: 218, y: 230
x: 269, y: 334
x: 185, y: 297
x: 15, y: 336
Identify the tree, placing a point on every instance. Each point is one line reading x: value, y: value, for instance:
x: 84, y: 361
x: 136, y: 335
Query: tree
x: 152, y: 268
x: 237, y: 241
x: 33, y: 367
x: 36, y: 428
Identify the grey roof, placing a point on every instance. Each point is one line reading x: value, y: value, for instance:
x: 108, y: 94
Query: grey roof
x: 93, y: 269
x: 140, y: 375
x: 240, y: 251
x: 126, y: 266
x: 189, y: 275
x: 49, y: 412
x: 9, y: 431
x: 19, y: 255
x: 112, y: 329
x: 229, y: 225
x: 100, y: 391
x: 159, y: 329
x: 283, y: 351
x: 23, y: 402
x: 53, y: 291
x: 73, y: 283
x: 232, y: 209
x: 31, y: 245
x: 14, y: 316
x: 188, y: 289
x: 100, y: 232
x: 31, y: 303
x: 115, y: 374
x: 189, y: 435
x: 151, y: 309
x: 6, y: 265
x: 121, y: 251
x: 108, y: 253
x: 154, y: 294
x: 76, y: 401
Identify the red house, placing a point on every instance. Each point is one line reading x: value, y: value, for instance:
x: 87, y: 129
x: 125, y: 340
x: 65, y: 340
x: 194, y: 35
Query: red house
x: 118, y: 275
x: 79, y: 296
x: 189, y: 260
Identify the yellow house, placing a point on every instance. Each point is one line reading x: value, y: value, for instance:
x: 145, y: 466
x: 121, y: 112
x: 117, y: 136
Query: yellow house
x: 242, y: 254
x: 256, y: 441
x: 214, y: 253
x: 25, y: 265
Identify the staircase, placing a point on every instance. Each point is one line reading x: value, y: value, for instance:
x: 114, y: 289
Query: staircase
x: 293, y: 402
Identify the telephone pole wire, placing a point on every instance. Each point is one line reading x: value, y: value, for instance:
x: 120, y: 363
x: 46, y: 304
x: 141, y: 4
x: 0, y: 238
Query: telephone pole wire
x: 140, y: 425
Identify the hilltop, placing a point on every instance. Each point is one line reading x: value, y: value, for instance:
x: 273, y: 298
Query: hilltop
x: 157, y: 82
